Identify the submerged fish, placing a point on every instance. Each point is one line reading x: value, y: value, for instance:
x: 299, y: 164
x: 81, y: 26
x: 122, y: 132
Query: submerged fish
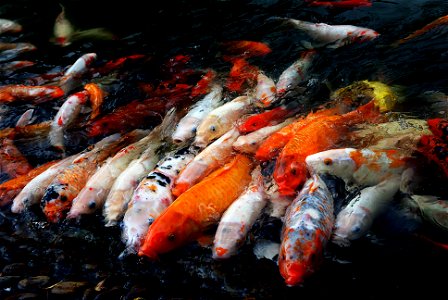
x: 307, y: 229
x: 197, y: 209
x: 14, y: 50
x: 358, y: 216
x: 433, y: 210
x: 246, y: 49
x: 152, y: 197
x: 434, y: 24
x: 34, y: 94
x: 26, y: 118
x: 9, y: 26
x: 238, y: 219
x: 12, y: 162
x: 72, y: 77
x: 96, y: 97
x: 242, y: 75
x: 265, y: 91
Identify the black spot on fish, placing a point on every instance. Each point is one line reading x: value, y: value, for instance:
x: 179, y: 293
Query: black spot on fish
x: 182, y: 151
x: 168, y: 158
x: 151, y: 176
x: 169, y: 167
x: 163, y: 177
x: 63, y: 198
x: 50, y: 194
x: 161, y: 183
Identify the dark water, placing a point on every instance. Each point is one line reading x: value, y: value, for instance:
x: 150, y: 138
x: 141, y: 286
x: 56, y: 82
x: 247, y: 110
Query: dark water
x: 388, y: 262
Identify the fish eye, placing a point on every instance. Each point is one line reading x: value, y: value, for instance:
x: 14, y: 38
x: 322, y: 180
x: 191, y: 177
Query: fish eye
x: 356, y: 229
x: 193, y: 130
x: 213, y: 128
x: 328, y: 161
x: 253, y: 143
x: 171, y: 237
x: 92, y: 204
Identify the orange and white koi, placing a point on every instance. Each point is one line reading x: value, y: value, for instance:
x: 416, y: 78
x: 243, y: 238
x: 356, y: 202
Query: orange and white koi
x: 96, y: 97
x: 152, y: 197
x: 363, y: 167
x: 93, y: 196
x: 198, y: 208
x: 238, y: 219
x: 251, y: 142
x: 9, y: 26
x: 334, y: 36
x: 265, y: 91
x: 34, y: 190
x: 59, y: 195
x: 72, y: 77
x: 221, y: 120
x: 35, y: 94
x: 295, y: 73
x: 357, y: 217
x: 188, y: 125
x: 12, y: 162
x: 211, y: 158
x: 319, y: 135
x: 11, y: 188
x: 307, y: 229
x: 65, y: 116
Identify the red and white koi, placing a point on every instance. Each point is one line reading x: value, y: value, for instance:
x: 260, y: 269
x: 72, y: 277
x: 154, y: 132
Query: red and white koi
x: 221, y: 120
x: 211, y: 158
x: 238, y: 219
x: 152, y: 197
x: 188, y: 125
x: 9, y: 26
x: 295, y: 73
x: 358, y: 216
x: 249, y: 143
x: 334, y: 36
x: 66, y: 115
x: 93, y: 196
x: 72, y: 77
x: 265, y: 91
x: 33, y: 192
x: 362, y: 167
x: 307, y: 229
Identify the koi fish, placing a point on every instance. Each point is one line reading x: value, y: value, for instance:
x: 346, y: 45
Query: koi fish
x: 9, y: 26
x: 341, y: 3
x: 268, y: 118
x: 11, y: 188
x: 434, y: 24
x: 66, y: 115
x: 295, y: 73
x: 265, y: 91
x: 59, y: 195
x: 119, y: 63
x: 72, y: 77
x: 12, y: 162
x: 63, y: 29
x: 246, y: 49
x: 152, y: 197
x: 15, y: 50
x: 358, y: 216
x: 241, y: 75
x: 439, y: 127
x: 204, y: 85
x: 13, y: 66
x: 211, y: 158
x: 433, y: 210
x: 26, y: 118
x: 35, y: 94
x: 238, y: 219
x: 34, y: 190
x: 307, y: 229
x: 290, y: 170
x: 129, y: 116
x: 188, y: 125
x: 198, y: 208
x: 221, y: 120
x: 362, y: 167
x: 93, y: 196
x: 96, y: 97
x: 249, y: 143
x: 435, y: 149
x: 334, y: 36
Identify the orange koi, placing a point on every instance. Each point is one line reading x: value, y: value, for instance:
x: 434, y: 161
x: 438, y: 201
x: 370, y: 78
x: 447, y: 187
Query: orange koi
x: 241, y: 75
x: 319, y: 135
x: 439, y: 127
x: 203, y: 86
x: 119, y: 63
x: 246, y: 49
x: 12, y: 162
x: 198, y: 208
x: 35, y: 94
x: 438, y: 22
x: 11, y: 188
x: 96, y: 96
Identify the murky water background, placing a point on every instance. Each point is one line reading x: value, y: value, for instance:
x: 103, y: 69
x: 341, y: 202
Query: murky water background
x: 388, y: 262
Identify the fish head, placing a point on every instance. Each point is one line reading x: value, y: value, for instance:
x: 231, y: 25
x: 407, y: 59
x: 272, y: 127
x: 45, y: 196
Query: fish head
x: 185, y: 130
x: 336, y: 162
x: 168, y: 232
x: 351, y: 225
x: 290, y: 174
x: 246, y: 144
x: 210, y: 129
x: 55, y: 203
x: 231, y: 236
x: 253, y: 123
